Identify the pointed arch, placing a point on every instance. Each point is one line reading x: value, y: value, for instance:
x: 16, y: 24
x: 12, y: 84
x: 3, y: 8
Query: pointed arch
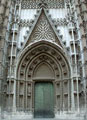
x: 43, y: 70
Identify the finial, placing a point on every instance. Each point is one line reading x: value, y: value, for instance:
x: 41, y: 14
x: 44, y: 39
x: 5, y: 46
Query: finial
x: 42, y: 4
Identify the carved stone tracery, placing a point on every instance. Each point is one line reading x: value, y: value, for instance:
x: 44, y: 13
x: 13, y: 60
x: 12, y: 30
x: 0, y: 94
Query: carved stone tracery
x: 58, y: 22
x: 36, y: 4
x: 43, y: 30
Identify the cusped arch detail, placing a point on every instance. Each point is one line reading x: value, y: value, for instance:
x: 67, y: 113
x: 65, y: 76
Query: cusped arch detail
x: 47, y: 59
x: 43, y: 70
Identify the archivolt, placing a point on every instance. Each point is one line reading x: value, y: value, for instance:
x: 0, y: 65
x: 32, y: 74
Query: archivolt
x: 42, y: 49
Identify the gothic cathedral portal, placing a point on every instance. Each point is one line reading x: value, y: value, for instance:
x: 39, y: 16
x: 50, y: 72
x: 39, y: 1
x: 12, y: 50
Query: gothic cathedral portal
x: 43, y: 59
x: 43, y: 73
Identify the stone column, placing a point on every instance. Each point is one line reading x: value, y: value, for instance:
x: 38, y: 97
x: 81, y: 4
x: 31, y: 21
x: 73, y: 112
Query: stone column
x: 77, y: 93
x: 72, y: 96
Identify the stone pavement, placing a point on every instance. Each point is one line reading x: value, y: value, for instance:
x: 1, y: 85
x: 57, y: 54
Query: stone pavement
x: 21, y: 116
x: 46, y: 119
x: 63, y: 118
x: 79, y: 118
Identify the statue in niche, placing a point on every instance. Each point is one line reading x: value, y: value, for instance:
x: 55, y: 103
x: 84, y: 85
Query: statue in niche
x: 29, y: 89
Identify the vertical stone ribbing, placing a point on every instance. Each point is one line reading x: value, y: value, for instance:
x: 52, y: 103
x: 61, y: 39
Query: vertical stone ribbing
x: 81, y: 6
x: 82, y: 17
x: 2, y: 37
x: 4, y: 14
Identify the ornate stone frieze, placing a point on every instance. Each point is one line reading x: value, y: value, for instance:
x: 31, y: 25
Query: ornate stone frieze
x: 58, y: 22
x: 25, y: 23
x: 35, y: 4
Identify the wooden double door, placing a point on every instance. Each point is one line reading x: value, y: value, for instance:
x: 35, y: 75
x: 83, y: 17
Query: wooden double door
x: 44, y: 100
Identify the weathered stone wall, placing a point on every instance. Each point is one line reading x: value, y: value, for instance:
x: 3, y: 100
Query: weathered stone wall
x: 4, y: 14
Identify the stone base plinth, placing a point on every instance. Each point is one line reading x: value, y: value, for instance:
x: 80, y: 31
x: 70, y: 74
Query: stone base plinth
x: 29, y: 116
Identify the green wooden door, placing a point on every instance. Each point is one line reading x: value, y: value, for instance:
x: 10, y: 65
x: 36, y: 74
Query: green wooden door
x: 44, y: 100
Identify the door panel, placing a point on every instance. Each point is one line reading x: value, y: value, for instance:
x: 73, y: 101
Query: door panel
x: 44, y: 100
